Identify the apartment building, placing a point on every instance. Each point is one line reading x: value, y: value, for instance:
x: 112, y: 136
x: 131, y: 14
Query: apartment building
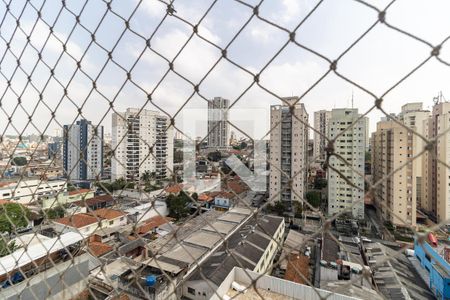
x: 413, y: 116
x: 288, y: 151
x: 436, y: 177
x: 350, y: 145
x: 321, y: 119
x: 143, y: 141
x: 29, y: 191
x: 218, y: 126
x: 83, y: 150
x: 396, y: 195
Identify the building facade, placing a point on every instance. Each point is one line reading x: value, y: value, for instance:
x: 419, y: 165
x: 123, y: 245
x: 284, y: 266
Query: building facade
x: 30, y: 191
x: 434, y: 261
x: 436, y: 177
x: 83, y: 150
x: 288, y: 152
x: 218, y: 126
x: 143, y: 141
x: 321, y: 119
x: 413, y: 116
x: 350, y: 144
x: 396, y: 195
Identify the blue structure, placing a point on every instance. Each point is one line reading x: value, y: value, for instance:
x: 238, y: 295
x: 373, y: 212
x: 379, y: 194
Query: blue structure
x: 76, y: 152
x: 437, y: 268
x: 53, y: 149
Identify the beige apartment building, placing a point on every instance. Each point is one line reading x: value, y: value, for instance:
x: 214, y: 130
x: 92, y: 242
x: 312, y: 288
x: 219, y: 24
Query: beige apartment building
x: 321, y: 119
x: 395, y: 196
x: 413, y: 116
x: 288, y: 152
x: 350, y: 131
x: 436, y: 177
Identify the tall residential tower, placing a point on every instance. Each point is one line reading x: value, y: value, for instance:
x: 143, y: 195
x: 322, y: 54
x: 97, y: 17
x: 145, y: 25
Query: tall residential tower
x: 436, y: 176
x: 83, y: 150
x: 218, y: 127
x: 321, y: 119
x: 143, y: 141
x: 396, y: 195
x: 288, y: 151
x: 350, y: 145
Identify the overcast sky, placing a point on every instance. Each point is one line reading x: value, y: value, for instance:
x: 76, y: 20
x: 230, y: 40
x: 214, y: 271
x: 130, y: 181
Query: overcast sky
x: 376, y: 63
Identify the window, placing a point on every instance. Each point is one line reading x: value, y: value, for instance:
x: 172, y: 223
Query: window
x: 191, y: 291
x: 111, y: 222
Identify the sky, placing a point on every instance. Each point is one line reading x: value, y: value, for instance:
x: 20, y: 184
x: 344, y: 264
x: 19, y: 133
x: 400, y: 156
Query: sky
x: 376, y: 63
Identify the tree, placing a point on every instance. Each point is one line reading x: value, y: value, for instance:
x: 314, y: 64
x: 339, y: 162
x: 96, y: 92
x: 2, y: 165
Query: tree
x: 298, y: 209
x: 13, y: 216
x: 313, y: 198
x: 320, y: 183
x: 55, y: 213
x: 71, y: 187
x: 214, y: 156
x: 177, y: 205
x: 19, y: 161
x: 6, y: 249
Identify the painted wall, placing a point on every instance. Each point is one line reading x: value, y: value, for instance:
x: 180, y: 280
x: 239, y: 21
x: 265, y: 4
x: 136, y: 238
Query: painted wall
x: 437, y: 267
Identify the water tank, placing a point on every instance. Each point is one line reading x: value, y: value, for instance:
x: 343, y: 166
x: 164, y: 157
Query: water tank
x: 150, y: 280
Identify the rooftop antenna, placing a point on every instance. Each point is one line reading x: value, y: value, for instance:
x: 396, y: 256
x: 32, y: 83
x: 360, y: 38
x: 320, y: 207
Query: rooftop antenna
x: 352, y: 98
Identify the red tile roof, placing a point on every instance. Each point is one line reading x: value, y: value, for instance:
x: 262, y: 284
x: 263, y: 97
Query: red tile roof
x: 81, y: 191
x: 205, y: 197
x: 174, y: 189
x: 77, y: 220
x: 98, y: 248
x: 3, y: 201
x: 106, y: 213
x: 297, y: 264
x: 235, y: 186
x: 152, y: 223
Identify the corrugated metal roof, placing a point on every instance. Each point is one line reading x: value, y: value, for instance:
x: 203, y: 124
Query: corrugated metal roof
x: 22, y: 257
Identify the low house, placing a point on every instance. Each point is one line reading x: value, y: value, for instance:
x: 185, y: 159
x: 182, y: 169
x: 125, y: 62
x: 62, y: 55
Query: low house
x: 110, y: 217
x: 98, y: 202
x: 66, y: 198
x: 99, y: 249
x: 88, y: 223
x: 146, y: 211
x: 84, y: 224
x: 151, y: 225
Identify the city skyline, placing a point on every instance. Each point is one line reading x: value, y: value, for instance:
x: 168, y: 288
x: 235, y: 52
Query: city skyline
x: 291, y: 73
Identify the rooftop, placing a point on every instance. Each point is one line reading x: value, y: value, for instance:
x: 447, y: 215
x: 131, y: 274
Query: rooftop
x: 245, y: 244
x: 77, y: 220
x: 79, y: 191
x: 152, y: 223
x: 98, y: 248
x: 106, y: 213
x: 268, y: 287
x: 94, y: 200
x: 22, y: 256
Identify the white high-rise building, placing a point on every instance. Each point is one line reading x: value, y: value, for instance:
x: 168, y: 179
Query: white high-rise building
x: 288, y: 152
x: 83, y: 150
x: 436, y: 176
x: 350, y: 145
x: 321, y: 119
x: 143, y: 141
x: 218, y: 126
